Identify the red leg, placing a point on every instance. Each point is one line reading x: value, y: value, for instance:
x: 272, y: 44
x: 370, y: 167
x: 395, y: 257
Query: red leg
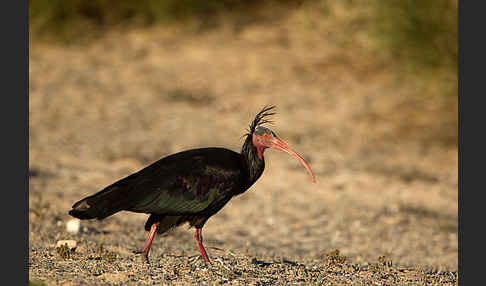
x: 198, y: 237
x: 153, y: 231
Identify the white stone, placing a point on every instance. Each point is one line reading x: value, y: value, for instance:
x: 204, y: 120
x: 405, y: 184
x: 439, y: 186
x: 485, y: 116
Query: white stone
x: 72, y: 226
x: 70, y: 243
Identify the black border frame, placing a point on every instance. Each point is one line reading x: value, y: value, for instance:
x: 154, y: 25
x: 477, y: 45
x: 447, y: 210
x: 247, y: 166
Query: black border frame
x: 15, y: 126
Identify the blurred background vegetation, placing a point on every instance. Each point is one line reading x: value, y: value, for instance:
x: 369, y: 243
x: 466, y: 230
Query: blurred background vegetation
x: 428, y: 29
x: 419, y: 37
x: 70, y: 21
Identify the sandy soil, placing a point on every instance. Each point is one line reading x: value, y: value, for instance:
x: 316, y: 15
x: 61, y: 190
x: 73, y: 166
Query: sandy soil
x: 386, y: 191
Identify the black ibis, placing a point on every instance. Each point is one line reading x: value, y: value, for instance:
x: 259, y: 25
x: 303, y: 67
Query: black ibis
x: 189, y: 186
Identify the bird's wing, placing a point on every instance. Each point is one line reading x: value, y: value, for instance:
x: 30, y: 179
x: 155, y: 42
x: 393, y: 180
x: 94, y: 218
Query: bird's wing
x: 185, y: 183
x: 188, y: 193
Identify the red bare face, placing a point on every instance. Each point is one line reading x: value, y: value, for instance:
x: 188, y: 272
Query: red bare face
x: 265, y: 138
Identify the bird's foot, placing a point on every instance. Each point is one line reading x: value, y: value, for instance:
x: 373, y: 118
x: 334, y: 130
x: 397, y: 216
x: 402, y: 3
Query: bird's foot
x: 144, y: 257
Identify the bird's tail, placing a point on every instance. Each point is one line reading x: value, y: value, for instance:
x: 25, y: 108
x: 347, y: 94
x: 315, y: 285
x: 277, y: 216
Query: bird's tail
x: 99, y: 205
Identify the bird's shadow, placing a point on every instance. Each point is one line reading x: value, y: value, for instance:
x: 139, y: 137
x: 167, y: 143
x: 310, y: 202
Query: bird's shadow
x: 267, y: 263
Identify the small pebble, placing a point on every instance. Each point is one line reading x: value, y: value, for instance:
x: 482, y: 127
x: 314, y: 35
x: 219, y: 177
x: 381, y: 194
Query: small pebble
x: 70, y: 243
x: 72, y: 226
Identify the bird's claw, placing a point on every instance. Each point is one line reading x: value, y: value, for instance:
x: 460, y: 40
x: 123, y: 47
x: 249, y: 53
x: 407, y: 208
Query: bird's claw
x: 145, y: 255
x: 146, y: 258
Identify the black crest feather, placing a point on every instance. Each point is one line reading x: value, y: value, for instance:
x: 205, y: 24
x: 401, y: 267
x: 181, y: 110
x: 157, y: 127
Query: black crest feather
x: 260, y: 117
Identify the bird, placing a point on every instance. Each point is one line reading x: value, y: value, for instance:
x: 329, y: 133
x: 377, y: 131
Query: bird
x: 189, y: 186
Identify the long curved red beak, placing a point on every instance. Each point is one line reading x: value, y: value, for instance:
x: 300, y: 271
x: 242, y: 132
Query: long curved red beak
x: 280, y: 145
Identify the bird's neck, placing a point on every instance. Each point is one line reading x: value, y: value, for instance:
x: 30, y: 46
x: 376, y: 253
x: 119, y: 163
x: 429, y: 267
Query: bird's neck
x: 254, y: 163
